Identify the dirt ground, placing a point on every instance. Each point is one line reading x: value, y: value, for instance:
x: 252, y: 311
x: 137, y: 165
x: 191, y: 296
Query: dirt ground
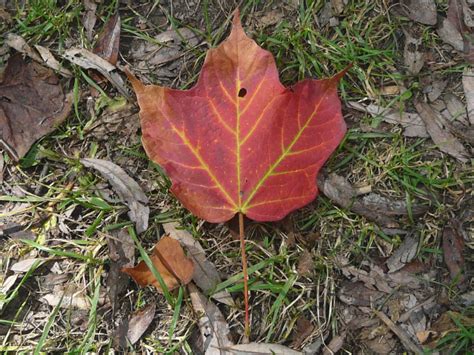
x: 381, y: 262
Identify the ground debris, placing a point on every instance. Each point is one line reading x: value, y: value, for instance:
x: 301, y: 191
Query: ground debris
x: 422, y: 11
x: 126, y: 188
x: 89, y: 18
x: 468, y: 85
x: 411, y: 122
x: 88, y: 60
x: 261, y: 349
x: 303, y: 330
x: 414, y: 58
x: 374, y: 207
x: 404, y: 254
x: 305, y: 263
x: 214, y: 330
x: 42, y: 55
x: 167, y: 46
x: 168, y: 257
x: 443, y: 139
x: 453, y: 249
x: 205, y: 274
x: 121, y: 254
x: 107, y: 45
x: 33, y: 105
x: 132, y: 329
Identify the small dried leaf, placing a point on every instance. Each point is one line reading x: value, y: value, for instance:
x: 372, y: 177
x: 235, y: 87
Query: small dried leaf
x: 170, y: 261
x: 404, y: 254
x: 422, y: 11
x: 262, y: 349
x: 107, y: 45
x: 89, y: 19
x: 213, y: 327
x: 126, y: 188
x: 444, y: 140
x: 335, y: 344
x: 121, y: 254
x: 412, y: 122
x: 25, y: 265
x: 304, y: 328
x: 305, y: 263
x: 205, y: 275
x: 132, y: 329
x: 468, y: 86
x: 413, y: 57
x: 453, y: 248
x: 33, y: 104
x: 88, y: 60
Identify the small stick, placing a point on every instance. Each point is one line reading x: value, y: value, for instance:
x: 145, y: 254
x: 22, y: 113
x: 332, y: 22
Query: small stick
x: 246, y: 276
x: 400, y: 333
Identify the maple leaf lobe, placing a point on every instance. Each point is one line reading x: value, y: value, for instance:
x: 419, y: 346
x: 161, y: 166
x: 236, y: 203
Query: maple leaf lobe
x: 239, y: 141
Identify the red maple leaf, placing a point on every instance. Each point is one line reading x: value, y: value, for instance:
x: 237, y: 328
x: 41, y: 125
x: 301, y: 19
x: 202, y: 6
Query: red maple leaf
x: 239, y: 141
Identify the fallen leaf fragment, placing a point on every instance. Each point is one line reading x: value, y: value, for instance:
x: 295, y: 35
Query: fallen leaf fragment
x: 239, y: 141
x: 335, y: 344
x: 205, y: 274
x: 303, y: 330
x: 214, y: 330
x: 261, y: 349
x: 41, y: 55
x: 305, y: 263
x: 126, y: 188
x: 166, y: 47
x: 443, y: 139
x: 132, y: 328
x: 468, y: 86
x: 456, y: 109
x: 121, y: 254
x: 169, y: 259
x: 412, y: 122
x: 26, y: 264
x: 107, y: 45
x: 70, y: 296
x: 33, y: 105
x: 412, y: 55
x: 372, y: 206
x: 89, y: 18
x: 88, y: 60
x: 450, y: 34
x: 422, y: 11
x: 404, y: 254
x: 453, y: 248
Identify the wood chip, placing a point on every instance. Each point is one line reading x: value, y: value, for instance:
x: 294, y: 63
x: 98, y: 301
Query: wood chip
x: 414, y: 58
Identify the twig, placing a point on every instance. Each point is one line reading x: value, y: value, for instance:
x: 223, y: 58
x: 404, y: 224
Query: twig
x: 400, y: 333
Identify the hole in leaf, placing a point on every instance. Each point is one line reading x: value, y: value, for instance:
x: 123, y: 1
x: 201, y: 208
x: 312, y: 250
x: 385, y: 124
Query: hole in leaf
x: 242, y: 92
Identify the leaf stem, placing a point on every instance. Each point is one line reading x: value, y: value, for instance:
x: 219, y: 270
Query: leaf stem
x: 246, y: 276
